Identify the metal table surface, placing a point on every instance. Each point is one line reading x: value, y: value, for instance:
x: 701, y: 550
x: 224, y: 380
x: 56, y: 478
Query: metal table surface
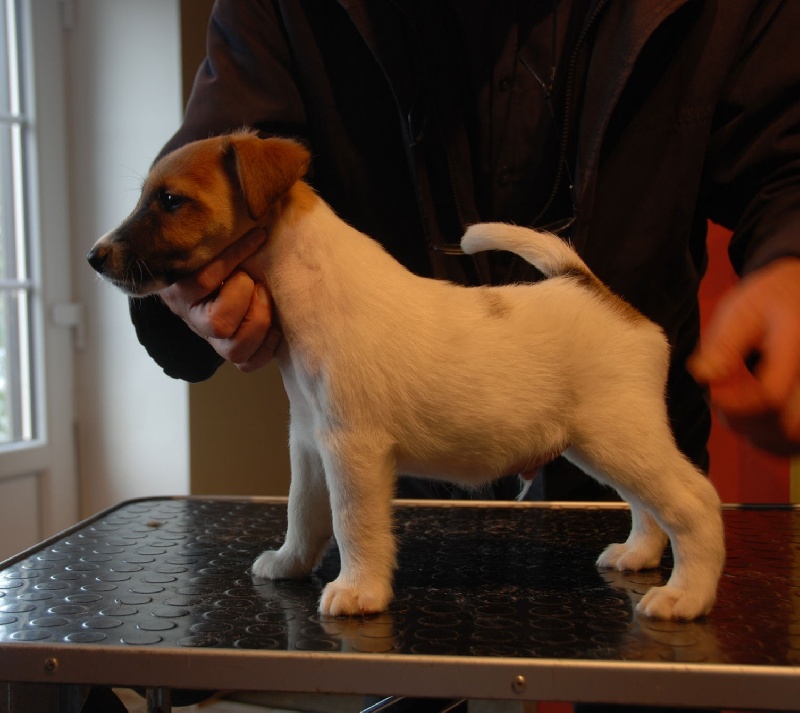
x: 492, y: 601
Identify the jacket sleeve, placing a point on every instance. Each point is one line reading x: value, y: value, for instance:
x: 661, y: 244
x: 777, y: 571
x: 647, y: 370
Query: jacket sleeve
x: 171, y: 344
x: 754, y: 162
x: 246, y: 79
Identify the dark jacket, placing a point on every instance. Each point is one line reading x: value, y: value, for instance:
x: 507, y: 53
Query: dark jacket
x: 674, y: 112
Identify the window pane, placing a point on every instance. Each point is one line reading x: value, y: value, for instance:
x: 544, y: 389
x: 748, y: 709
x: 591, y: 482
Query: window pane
x: 5, y: 415
x: 8, y: 198
x: 16, y: 385
x: 5, y: 105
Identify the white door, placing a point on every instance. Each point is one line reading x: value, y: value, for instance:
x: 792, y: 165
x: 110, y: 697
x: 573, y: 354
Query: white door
x: 38, y: 482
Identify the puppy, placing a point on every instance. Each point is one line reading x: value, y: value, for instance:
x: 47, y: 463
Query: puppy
x: 388, y: 372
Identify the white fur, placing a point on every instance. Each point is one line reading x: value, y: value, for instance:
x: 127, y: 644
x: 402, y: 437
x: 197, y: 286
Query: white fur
x: 388, y: 372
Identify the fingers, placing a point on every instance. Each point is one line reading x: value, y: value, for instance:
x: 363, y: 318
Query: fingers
x: 761, y: 315
x: 186, y: 293
x: 221, y: 317
x: 209, y: 278
x: 264, y: 354
x: 225, y: 306
x: 254, y: 341
x: 779, y: 369
x: 734, y: 332
x: 775, y: 433
x: 740, y: 394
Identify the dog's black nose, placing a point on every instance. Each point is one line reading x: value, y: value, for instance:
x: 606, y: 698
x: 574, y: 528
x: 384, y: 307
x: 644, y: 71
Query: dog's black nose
x: 97, y: 257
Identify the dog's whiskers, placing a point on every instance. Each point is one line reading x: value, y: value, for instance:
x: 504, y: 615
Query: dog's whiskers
x: 146, y: 269
x: 133, y: 274
x: 135, y: 175
x: 139, y: 273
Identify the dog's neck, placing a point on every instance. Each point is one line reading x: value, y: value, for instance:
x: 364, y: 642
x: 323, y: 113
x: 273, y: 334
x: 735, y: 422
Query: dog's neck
x: 319, y: 270
x: 299, y: 199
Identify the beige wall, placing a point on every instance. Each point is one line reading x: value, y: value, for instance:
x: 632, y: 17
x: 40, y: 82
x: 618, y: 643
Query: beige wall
x: 238, y: 434
x: 238, y: 423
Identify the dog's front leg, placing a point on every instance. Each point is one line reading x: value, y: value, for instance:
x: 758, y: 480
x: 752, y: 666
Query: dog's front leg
x: 361, y: 482
x: 309, y: 526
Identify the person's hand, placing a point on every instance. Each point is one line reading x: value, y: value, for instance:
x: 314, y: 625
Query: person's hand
x: 760, y: 316
x: 225, y: 306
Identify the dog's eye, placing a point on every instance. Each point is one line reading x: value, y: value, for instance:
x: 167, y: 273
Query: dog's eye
x: 170, y: 201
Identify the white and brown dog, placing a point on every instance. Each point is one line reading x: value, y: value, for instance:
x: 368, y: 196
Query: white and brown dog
x: 388, y: 372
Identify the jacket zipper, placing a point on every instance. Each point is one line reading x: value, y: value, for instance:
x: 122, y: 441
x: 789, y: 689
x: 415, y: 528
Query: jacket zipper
x: 563, y: 158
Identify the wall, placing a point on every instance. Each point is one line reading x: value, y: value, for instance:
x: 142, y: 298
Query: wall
x: 124, y: 84
x: 239, y: 434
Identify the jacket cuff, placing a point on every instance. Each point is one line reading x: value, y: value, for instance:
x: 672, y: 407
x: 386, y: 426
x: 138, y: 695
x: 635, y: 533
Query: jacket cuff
x: 170, y: 342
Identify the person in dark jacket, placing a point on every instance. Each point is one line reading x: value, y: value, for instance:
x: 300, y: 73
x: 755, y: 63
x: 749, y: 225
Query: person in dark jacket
x: 624, y: 126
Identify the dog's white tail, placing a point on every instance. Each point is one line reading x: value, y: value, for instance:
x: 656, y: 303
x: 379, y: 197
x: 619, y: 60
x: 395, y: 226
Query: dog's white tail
x: 547, y: 252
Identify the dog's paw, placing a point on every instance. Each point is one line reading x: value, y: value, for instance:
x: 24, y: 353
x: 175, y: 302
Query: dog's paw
x: 340, y: 598
x: 670, y: 602
x: 279, y: 564
x: 627, y: 557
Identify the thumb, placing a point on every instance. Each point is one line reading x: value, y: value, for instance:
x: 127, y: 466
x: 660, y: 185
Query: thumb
x: 736, y: 330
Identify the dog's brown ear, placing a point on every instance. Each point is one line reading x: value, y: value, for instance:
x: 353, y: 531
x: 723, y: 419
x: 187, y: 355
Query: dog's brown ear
x: 267, y: 169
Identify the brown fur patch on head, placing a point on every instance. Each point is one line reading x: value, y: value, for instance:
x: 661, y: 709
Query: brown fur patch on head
x: 195, y: 202
x: 266, y: 169
x: 187, y: 213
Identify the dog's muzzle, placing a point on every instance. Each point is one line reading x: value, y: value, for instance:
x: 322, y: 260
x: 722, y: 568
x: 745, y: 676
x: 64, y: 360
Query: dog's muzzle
x: 97, y: 257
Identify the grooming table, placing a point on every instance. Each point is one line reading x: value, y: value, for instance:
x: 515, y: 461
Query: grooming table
x: 497, y: 601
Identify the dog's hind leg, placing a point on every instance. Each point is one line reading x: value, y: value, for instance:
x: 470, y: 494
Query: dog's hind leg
x: 361, y: 476
x: 662, y: 487
x: 693, y: 522
x: 309, y: 528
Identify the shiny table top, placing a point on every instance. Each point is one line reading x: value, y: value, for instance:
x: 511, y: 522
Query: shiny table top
x: 492, y: 601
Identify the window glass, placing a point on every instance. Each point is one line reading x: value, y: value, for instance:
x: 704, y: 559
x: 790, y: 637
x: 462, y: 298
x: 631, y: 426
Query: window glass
x: 16, y: 385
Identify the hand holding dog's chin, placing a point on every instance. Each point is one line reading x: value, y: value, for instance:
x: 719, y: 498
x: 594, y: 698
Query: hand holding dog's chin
x: 225, y: 306
x: 235, y: 319
x: 246, y: 339
x: 760, y: 315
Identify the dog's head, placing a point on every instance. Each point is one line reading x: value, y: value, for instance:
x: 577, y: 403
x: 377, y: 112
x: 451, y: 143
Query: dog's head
x: 194, y: 203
